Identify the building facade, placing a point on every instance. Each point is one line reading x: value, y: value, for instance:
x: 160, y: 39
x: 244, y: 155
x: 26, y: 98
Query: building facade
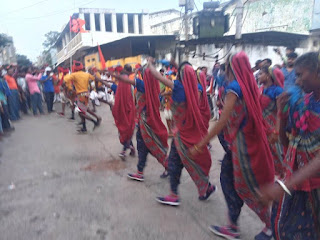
x: 104, y: 26
x: 266, y: 24
x: 292, y: 16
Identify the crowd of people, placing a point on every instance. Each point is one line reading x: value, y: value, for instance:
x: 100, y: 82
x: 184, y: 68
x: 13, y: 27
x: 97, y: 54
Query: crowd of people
x: 267, y: 122
x: 21, y: 91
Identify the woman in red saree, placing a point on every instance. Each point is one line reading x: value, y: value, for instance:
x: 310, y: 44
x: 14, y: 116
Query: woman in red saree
x: 251, y: 165
x: 297, y: 214
x: 190, y: 128
x: 272, y: 80
x: 123, y: 112
x: 152, y: 134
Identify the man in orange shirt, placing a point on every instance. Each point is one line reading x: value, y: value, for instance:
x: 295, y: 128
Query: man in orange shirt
x: 14, y: 98
x: 81, y: 81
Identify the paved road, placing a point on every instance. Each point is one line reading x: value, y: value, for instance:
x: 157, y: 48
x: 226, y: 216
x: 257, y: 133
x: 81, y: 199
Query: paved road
x: 56, y: 184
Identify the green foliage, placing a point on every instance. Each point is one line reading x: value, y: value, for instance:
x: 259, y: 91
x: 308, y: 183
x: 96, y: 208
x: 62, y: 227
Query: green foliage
x: 51, y: 38
x: 47, y: 57
x: 22, y: 60
x: 4, y: 40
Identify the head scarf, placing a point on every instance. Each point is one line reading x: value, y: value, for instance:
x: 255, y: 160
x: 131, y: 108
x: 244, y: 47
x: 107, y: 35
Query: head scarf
x: 111, y: 69
x: 257, y: 147
x: 47, y: 69
x: 77, y: 66
x: 124, y: 112
x: 277, y: 76
x: 190, y: 83
x: 152, y: 91
x: 192, y: 128
x: 138, y: 66
x: 63, y: 70
x: 119, y: 69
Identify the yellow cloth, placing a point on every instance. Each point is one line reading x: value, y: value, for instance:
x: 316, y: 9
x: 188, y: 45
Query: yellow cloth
x: 67, y: 81
x: 168, y: 90
x: 99, y: 84
x: 81, y: 81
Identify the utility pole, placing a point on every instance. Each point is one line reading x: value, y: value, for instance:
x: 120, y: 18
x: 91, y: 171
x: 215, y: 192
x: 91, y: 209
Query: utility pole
x: 186, y: 26
x: 188, y: 5
x: 239, y: 19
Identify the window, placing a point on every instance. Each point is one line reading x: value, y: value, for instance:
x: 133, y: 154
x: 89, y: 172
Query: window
x: 97, y: 21
x: 87, y: 19
x: 131, y: 23
x: 140, y: 23
x: 108, y: 22
x: 315, y: 43
x: 119, y: 23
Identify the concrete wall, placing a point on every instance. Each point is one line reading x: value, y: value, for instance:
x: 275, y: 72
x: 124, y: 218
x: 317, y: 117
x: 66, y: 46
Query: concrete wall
x: 163, y: 16
x: 293, y: 16
x: 254, y: 52
x: 174, y: 26
x: 171, y: 27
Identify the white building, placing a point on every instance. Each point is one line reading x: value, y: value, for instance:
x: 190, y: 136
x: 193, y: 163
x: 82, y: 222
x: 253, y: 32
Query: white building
x: 106, y: 25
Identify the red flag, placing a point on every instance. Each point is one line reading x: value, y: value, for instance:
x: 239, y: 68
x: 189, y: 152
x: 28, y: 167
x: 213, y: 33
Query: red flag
x: 70, y: 24
x: 103, y: 62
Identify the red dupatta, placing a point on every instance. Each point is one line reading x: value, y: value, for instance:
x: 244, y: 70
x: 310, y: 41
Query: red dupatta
x: 192, y: 127
x: 123, y: 112
x: 152, y: 91
x: 257, y: 147
x: 277, y: 76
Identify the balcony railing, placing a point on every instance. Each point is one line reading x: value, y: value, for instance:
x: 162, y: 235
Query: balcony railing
x: 70, y: 48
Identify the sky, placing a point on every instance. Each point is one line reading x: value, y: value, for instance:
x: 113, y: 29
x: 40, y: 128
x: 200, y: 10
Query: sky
x: 27, y: 21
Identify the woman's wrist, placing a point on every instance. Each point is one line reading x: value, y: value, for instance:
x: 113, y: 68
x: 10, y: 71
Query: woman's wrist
x: 201, y: 144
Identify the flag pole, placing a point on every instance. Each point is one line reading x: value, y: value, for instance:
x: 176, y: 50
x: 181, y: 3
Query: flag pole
x: 69, y: 42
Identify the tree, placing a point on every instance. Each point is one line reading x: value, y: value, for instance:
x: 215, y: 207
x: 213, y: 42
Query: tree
x: 47, y: 57
x: 4, y: 40
x: 51, y: 38
x: 22, y: 60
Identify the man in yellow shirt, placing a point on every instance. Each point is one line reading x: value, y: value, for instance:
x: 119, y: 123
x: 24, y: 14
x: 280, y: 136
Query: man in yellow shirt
x: 81, y: 82
x: 67, y: 93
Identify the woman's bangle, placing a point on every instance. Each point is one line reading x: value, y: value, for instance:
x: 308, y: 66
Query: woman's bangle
x: 283, y: 186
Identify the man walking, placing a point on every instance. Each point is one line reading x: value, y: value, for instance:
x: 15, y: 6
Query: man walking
x: 32, y: 81
x: 81, y: 81
x: 48, y: 88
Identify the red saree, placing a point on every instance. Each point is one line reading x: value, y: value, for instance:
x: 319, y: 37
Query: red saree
x: 153, y: 131
x: 123, y: 112
x: 257, y: 148
x: 191, y: 129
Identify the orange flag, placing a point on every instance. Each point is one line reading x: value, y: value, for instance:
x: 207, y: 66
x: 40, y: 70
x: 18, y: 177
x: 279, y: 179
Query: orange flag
x: 103, y: 62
